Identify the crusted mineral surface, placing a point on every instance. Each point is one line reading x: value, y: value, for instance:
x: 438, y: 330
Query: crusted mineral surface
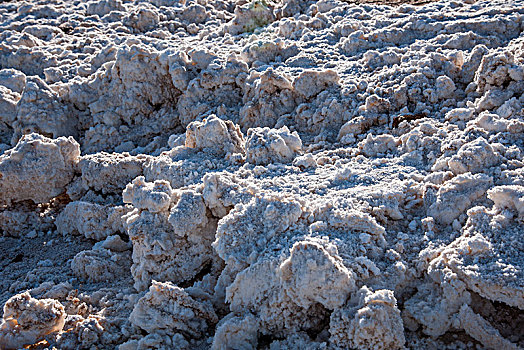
x: 261, y: 174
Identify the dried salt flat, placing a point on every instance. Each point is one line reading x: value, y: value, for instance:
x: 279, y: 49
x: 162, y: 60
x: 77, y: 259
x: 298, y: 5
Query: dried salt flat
x: 267, y: 174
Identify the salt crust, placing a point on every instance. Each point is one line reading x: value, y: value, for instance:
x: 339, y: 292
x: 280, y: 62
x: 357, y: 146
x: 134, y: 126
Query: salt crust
x: 37, y: 169
x: 350, y: 179
x: 27, y: 320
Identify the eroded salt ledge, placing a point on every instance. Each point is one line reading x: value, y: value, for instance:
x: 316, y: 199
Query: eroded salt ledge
x: 289, y: 175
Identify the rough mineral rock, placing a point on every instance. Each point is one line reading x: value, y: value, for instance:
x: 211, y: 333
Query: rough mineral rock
x: 100, y: 265
x: 157, y: 341
x: 373, y: 146
x: 266, y: 146
x: 27, y: 320
x: 456, y: 195
x: 215, y: 135
x: 258, y: 289
x: 91, y: 220
x: 37, y: 168
x: 154, y: 197
x: 374, y: 323
x: 109, y: 173
x: 237, y: 232
x: 481, y: 330
x: 493, y: 280
x: 169, y: 308
x: 13, y: 80
x: 8, y: 101
x: 170, y: 245
x: 298, y: 174
x: 510, y: 197
x: 473, y: 157
x: 239, y: 332
x: 310, y: 275
x: 40, y: 111
x: 434, y: 305
x: 310, y: 83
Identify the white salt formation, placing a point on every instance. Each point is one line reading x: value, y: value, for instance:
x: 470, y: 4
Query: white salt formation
x: 316, y: 174
x: 27, y: 320
x: 374, y: 324
x: 265, y: 146
x: 37, y: 168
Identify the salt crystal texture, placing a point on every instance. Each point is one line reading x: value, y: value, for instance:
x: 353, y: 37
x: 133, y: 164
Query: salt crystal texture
x: 262, y: 174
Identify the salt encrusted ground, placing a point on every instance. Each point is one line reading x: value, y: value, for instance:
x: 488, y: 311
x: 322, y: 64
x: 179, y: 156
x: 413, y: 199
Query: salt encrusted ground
x: 274, y: 175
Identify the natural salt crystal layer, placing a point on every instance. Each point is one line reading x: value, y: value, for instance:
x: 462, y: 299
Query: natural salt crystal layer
x: 205, y: 174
